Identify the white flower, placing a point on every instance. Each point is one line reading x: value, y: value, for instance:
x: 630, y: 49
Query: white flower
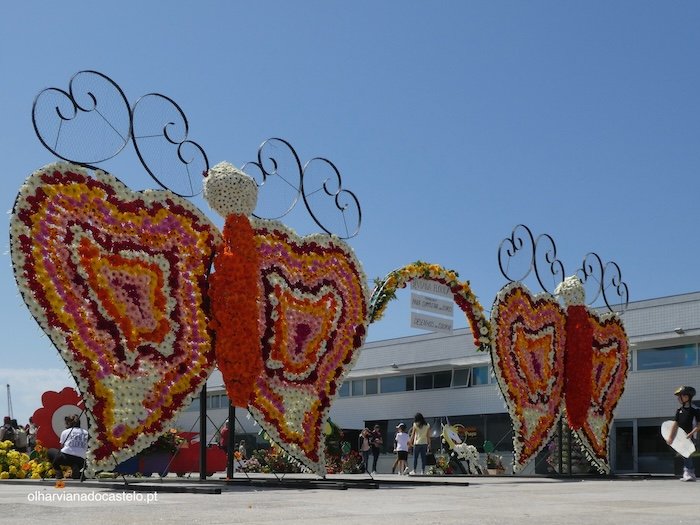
x: 230, y: 191
x: 571, y: 291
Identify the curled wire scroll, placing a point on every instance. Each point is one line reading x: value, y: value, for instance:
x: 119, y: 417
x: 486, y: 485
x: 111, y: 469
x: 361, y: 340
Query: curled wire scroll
x: 607, y: 279
x: 533, y: 251
x: 270, y: 162
x: 92, y: 122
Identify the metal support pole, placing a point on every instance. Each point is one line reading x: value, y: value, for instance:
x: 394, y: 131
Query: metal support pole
x: 560, y: 439
x: 568, y: 428
x: 203, y: 433
x: 230, y: 439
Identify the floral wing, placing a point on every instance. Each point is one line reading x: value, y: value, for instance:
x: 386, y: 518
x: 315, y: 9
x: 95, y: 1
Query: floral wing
x: 117, y: 280
x: 313, y: 321
x: 608, y: 377
x: 528, y: 360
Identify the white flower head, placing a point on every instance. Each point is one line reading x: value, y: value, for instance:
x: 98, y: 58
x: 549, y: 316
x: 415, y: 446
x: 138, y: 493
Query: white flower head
x: 230, y: 191
x: 571, y: 291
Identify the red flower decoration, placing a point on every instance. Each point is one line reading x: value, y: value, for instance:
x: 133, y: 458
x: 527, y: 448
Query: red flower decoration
x: 50, y: 418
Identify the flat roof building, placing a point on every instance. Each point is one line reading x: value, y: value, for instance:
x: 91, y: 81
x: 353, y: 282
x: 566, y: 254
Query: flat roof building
x: 446, y: 379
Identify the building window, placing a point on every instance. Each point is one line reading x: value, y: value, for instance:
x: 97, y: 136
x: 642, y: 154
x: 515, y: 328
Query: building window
x: 424, y: 381
x: 480, y: 375
x: 217, y: 401
x: 442, y: 379
x: 670, y: 357
x: 371, y: 386
x: 344, y: 390
x: 358, y: 387
x: 393, y: 384
x: 460, y: 377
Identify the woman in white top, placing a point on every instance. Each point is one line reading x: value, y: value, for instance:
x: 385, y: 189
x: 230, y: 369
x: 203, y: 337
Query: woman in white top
x: 420, y: 438
x: 74, y: 445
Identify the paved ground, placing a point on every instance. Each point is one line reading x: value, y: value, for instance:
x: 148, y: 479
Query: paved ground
x: 486, y: 500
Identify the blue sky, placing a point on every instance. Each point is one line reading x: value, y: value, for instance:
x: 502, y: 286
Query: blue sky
x: 451, y: 121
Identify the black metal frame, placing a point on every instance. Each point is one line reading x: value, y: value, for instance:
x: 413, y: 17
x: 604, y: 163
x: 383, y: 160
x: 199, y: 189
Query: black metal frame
x: 82, y: 105
x: 74, y: 106
x: 268, y: 165
x: 592, y: 268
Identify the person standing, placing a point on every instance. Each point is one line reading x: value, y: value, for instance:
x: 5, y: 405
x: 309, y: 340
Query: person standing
x: 7, y: 431
x: 364, y: 445
x: 31, y: 430
x: 377, y: 441
x: 401, y: 441
x: 420, y: 438
x: 684, y: 419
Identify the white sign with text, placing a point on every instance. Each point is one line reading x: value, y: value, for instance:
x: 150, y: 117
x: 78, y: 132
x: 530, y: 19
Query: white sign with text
x: 430, y: 322
x: 433, y: 305
x: 432, y: 287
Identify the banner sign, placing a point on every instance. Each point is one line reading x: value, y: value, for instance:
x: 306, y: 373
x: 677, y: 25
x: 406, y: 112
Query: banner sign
x: 433, y: 305
x: 432, y: 287
x: 430, y: 322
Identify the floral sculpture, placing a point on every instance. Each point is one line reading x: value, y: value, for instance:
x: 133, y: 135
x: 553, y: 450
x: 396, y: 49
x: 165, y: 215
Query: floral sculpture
x: 119, y: 280
x: 552, y: 362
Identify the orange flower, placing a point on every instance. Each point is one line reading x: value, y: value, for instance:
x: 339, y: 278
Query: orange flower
x: 234, y: 290
x: 60, y: 484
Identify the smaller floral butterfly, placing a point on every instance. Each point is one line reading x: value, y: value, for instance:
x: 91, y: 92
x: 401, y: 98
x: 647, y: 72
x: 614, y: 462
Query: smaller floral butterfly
x: 553, y: 362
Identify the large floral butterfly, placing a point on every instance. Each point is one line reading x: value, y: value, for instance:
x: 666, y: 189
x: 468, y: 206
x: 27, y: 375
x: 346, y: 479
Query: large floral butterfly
x: 553, y: 362
x: 119, y: 280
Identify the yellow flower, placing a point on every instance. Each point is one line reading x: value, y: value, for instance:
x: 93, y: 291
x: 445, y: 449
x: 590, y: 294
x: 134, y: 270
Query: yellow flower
x: 4, y: 475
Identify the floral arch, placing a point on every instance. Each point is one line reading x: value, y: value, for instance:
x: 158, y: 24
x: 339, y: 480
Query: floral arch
x: 385, y: 290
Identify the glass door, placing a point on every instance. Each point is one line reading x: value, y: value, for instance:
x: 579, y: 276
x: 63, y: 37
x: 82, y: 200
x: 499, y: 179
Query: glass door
x: 623, y: 446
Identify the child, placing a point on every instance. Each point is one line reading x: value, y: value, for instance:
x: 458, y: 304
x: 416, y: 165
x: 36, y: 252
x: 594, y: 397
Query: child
x: 684, y: 419
x: 401, y: 440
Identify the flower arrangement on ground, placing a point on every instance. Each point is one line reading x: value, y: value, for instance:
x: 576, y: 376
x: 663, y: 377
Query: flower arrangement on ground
x: 494, y: 462
x: 442, y: 466
x: 18, y: 465
x: 169, y: 442
x: 271, y: 460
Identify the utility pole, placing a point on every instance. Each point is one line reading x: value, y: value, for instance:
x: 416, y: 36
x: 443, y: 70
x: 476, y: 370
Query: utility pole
x: 9, y: 403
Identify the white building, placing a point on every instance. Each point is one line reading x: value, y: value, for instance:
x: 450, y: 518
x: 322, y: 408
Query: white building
x: 444, y: 377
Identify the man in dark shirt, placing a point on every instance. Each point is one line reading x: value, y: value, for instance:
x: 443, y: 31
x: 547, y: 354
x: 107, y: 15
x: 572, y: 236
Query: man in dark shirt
x: 684, y: 419
x: 376, y: 441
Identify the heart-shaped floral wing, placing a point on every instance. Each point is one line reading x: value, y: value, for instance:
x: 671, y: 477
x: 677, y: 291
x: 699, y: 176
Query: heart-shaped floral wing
x: 117, y: 279
x: 528, y: 360
x: 608, y: 377
x: 313, y: 319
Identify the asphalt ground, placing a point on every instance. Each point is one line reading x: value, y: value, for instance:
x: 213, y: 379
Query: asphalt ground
x: 386, y: 499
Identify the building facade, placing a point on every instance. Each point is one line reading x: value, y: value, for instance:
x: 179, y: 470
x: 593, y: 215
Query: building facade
x: 446, y: 379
